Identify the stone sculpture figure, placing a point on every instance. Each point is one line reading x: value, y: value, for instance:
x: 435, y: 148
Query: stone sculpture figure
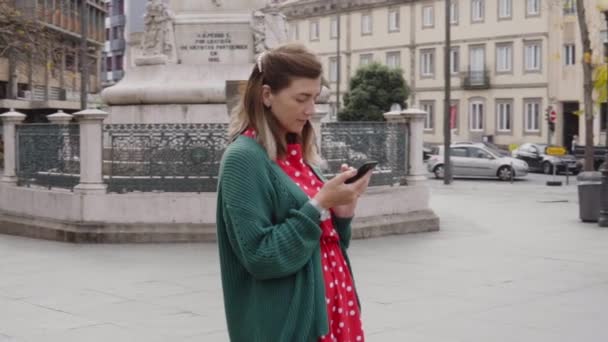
x: 158, y: 37
x: 258, y: 28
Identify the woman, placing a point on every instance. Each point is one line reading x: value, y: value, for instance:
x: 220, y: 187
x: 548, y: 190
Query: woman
x: 283, y: 231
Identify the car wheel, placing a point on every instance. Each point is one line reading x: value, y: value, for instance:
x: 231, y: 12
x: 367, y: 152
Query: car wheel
x: 504, y: 173
x: 438, y: 171
x: 547, y: 168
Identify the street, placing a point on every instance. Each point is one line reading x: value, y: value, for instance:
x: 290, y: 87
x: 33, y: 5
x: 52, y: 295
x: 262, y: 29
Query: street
x: 512, y: 262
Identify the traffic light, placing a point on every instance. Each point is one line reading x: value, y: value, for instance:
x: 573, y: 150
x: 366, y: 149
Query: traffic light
x: 551, y: 126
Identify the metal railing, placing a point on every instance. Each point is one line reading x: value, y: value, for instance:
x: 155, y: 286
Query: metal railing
x: 48, y: 155
x: 356, y: 142
x: 163, y: 157
x: 476, y: 79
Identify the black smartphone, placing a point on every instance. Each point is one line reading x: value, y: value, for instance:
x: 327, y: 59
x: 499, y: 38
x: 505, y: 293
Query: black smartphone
x: 361, y: 171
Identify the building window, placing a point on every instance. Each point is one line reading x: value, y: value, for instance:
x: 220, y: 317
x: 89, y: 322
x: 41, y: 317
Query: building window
x: 427, y: 63
x: 365, y: 59
x: 505, y: 8
x: 121, y: 7
x: 429, y: 120
x: 532, y: 116
x: 455, y: 60
x: 333, y: 27
x: 569, y: 54
x: 532, y: 56
x: 109, y: 63
x: 454, y: 108
x: 504, y: 112
x: 477, y: 9
x: 504, y: 58
x: 119, y: 65
x: 393, y: 20
x: 294, y: 31
x: 569, y: 7
x: 393, y: 59
x: 454, y: 12
x: 333, y: 69
x: 533, y: 7
x: 108, y: 36
x: 366, y: 24
x: 428, y: 16
x: 476, y: 115
x: 314, y: 30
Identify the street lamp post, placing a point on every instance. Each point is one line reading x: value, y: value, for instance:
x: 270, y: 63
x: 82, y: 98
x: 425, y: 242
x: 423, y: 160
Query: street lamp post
x: 603, y: 218
x: 447, y: 129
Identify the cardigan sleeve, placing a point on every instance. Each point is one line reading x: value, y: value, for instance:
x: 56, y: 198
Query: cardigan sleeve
x: 344, y: 229
x: 265, y: 249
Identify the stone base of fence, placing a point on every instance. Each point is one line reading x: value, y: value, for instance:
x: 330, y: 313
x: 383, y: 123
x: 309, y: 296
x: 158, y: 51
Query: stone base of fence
x: 179, y: 217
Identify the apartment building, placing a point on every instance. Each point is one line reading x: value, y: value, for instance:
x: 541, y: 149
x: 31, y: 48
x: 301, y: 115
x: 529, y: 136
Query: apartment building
x: 114, y: 47
x: 40, y: 88
x: 510, y: 60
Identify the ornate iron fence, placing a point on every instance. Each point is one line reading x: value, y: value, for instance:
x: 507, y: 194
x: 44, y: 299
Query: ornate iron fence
x: 163, y: 157
x: 356, y: 142
x: 48, y: 155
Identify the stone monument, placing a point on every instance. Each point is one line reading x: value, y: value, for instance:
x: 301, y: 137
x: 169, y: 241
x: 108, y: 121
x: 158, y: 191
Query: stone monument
x: 190, y: 49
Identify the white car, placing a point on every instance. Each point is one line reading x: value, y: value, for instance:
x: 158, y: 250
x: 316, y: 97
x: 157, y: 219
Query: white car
x: 473, y: 160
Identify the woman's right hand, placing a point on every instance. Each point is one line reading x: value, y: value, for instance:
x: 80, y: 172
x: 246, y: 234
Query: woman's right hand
x: 334, y: 192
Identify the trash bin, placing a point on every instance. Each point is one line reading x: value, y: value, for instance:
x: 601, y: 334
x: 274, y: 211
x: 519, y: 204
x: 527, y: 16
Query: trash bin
x: 589, y: 186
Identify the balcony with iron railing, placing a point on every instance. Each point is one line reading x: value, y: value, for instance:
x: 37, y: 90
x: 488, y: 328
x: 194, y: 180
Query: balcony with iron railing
x: 475, y: 79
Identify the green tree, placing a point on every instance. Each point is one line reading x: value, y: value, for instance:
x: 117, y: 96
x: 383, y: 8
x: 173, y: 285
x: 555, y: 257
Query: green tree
x: 373, y: 90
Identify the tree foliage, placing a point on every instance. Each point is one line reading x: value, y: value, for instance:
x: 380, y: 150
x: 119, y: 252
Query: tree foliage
x: 373, y: 90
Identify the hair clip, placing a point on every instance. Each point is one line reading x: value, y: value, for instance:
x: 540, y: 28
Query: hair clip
x: 259, y: 61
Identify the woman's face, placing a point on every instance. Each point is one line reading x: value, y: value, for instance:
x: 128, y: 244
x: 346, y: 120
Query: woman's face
x: 294, y: 105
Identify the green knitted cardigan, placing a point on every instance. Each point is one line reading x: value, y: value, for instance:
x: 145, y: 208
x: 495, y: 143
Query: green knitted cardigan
x: 268, y: 239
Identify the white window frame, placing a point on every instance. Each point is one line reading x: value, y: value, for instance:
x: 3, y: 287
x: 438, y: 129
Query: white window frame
x: 533, y: 56
x: 427, y: 63
x: 454, y: 12
x: 313, y: 30
x: 504, y: 116
x: 505, y: 9
x: 532, y: 8
x: 477, y: 11
x: 569, y: 7
x: 532, y: 107
x: 476, y: 115
x: 333, y: 69
x: 294, y: 31
x: 428, y: 16
x: 393, y: 56
x: 504, y: 58
x: 569, y: 54
x: 455, y: 60
x: 333, y: 27
x: 366, y: 59
x: 393, y: 20
x: 367, y: 26
x: 429, y: 119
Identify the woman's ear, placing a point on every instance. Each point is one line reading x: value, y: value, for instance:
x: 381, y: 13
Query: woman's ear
x: 267, y: 96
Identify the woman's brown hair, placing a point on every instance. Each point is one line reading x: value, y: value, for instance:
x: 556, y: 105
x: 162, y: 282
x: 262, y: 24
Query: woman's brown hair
x: 275, y: 68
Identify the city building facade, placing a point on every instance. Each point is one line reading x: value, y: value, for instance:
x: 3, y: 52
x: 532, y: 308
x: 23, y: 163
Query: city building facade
x: 38, y: 87
x: 511, y: 61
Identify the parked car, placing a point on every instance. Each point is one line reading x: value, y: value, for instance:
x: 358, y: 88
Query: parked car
x: 599, y: 153
x: 474, y: 160
x: 538, y: 160
x: 494, y: 148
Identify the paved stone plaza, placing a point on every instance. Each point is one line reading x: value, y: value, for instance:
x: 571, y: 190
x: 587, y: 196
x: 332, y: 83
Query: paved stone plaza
x: 511, y: 263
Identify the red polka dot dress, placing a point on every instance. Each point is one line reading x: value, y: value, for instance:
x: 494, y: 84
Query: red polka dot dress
x: 342, y: 308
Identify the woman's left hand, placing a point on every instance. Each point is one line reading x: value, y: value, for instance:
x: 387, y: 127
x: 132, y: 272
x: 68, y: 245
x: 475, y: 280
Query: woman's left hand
x: 348, y: 210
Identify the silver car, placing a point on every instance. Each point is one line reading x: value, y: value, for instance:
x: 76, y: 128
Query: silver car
x: 477, y: 161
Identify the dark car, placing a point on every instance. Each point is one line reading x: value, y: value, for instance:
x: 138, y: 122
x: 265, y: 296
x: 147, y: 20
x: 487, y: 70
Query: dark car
x: 538, y: 160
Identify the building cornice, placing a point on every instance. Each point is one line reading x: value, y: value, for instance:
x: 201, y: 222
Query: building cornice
x: 314, y: 8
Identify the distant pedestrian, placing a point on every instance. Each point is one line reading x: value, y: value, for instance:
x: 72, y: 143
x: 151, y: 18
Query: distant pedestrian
x: 283, y: 230
x: 573, y: 144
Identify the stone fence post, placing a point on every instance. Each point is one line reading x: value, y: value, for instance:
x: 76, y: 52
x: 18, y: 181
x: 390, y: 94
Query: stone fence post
x: 10, y: 120
x: 60, y: 118
x: 415, y: 119
x: 321, y: 111
x: 91, y: 158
